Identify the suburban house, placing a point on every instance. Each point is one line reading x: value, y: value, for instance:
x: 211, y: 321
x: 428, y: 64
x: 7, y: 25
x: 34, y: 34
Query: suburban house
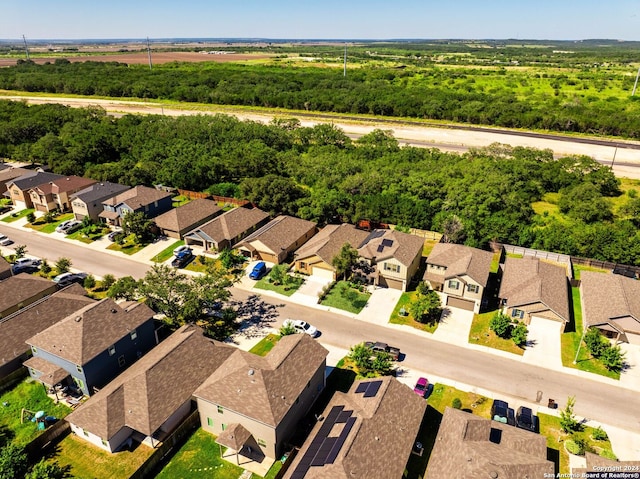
x: 92, y: 345
x: 262, y: 399
x: 8, y: 173
x: 5, y: 268
x: 368, y: 432
x: 55, y: 194
x: 18, y: 188
x: 147, y: 401
x: 276, y: 240
x: 477, y: 448
x: 88, y: 202
x: 460, y: 273
x: 16, y: 328
x: 176, y: 222
x: 139, y: 199
x: 316, y: 256
x: 21, y: 290
x: 532, y: 289
x: 226, y: 230
x: 611, y: 303
x: 391, y: 257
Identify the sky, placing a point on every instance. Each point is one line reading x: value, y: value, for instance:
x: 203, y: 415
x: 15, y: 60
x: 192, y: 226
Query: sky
x: 321, y: 19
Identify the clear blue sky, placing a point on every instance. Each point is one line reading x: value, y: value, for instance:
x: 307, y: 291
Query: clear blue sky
x: 300, y: 19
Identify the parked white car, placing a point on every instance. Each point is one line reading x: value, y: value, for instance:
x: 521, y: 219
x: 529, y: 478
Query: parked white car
x: 301, y: 327
x: 182, y: 248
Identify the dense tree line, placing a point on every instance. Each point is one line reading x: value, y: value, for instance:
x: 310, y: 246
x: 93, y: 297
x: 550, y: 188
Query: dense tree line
x: 432, y: 93
x: 320, y: 174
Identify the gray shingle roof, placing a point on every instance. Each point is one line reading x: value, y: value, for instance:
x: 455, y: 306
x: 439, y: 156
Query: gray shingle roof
x: 31, y: 180
x: 188, y: 215
x: 264, y: 388
x: 404, y: 247
x: 20, y: 288
x: 328, y: 242
x: 529, y: 280
x: 280, y: 233
x: 137, y: 197
x: 99, y: 192
x: 477, y: 448
x: 460, y: 260
x: 233, y: 223
x: 10, y: 173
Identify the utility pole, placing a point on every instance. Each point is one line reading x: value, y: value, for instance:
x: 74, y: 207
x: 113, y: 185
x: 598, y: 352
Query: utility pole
x: 149, y: 53
x: 345, y: 61
x: 635, y: 85
x: 26, y: 49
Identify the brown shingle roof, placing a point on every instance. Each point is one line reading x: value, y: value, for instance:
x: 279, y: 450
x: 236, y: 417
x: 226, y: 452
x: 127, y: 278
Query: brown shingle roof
x: 610, y: 299
x: 604, y: 464
x: 51, y: 374
x: 234, y: 437
x: 264, y: 388
x: 20, y: 288
x: 477, y: 448
x: 404, y: 247
x: 188, y: 215
x: 88, y: 332
x: 460, y: 260
x: 280, y: 233
x: 233, y: 223
x: 380, y: 441
x: 9, y: 174
x: 64, y: 184
x: 137, y: 197
x: 145, y: 395
x: 5, y: 269
x: 328, y: 242
x: 529, y: 280
x: 22, y: 325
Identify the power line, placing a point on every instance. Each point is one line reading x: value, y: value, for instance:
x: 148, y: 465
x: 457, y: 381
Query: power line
x: 149, y: 53
x: 26, y: 49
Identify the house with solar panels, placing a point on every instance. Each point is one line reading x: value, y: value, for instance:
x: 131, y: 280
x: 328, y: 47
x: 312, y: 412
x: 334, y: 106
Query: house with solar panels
x: 368, y: 432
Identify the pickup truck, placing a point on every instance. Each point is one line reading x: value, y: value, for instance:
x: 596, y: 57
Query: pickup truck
x: 378, y: 347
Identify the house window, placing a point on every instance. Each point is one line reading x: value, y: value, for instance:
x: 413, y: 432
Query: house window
x: 224, y: 426
x: 262, y: 443
x: 209, y: 422
x: 34, y: 350
x: 85, y: 433
x: 473, y: 288
x: 133, y: 334
x: 121, y: 361
x: 220, y: 410
x: 32, y: 371
x: 453, y: 284
x: 79, y: 369
x: 517, y: 313
x: 112, y: 350
x: 105, y: 443
x: 303, y: 265
x: 394, y: 268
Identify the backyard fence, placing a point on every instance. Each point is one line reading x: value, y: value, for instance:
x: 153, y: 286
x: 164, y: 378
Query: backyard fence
x: 623, y: 269
x: 53, y: 434
x: 197, y: 195
x: 13, y: 378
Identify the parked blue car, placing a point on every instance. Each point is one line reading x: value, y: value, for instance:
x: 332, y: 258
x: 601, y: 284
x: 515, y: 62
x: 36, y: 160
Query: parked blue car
x: 258, y: 271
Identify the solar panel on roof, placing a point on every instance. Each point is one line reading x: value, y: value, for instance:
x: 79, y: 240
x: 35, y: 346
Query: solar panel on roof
x: 387, y: 242
x: 331, y: 457
x: 373, y: 389
x: 343, y: 416
x: 324, y: 450
x: 380, y: 248
x: 362, y: 387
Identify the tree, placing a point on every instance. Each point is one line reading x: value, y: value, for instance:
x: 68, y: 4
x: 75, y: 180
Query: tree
x: 345, y: 260
x: 13, y: 461
x: 222, y: 325
x: 426, y: 308
x: 31, y: 217
x: 613, y: 358
x: 89, y: 282
x: 200, y: 291
x: 63, y: 265
x: 278, y: 274
x: 519, y: 334
x: 568, y: 421
x: 47, y: 470
x: 20, y: 251
x: 138, y: 225
x: 165, y: 290
x: 453, y: 230
x: 124, y: 288
x: 361, y: 355
x: 501, y: 325
x: 596, y: 344
x: 107, y: 281
x: 45, y: 268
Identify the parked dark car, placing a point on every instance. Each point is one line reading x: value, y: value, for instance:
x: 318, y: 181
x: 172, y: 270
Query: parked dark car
x: 501, y: 412
x: 182, y: 259
x: 65, y: 279
x: 258, y: 271
x: 525, y: 419
x: 379, y: 347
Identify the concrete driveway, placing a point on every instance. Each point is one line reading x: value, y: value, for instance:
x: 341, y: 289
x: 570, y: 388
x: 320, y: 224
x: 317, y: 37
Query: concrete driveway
x: 630, y: 377
x: 308, y: 292
x: 380, y: 305
x: 543, y: 343
x: 454, y: 327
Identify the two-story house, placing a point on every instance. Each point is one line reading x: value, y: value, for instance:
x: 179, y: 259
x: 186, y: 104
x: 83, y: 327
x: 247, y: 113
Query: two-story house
x: 55, y: 194
x: 93, y: 345
x: 18, y: 188
x: 21, y: 290
x: 460, y: 273
x: 88, y: 202
x: 139, y: 199
x: 8, y: 173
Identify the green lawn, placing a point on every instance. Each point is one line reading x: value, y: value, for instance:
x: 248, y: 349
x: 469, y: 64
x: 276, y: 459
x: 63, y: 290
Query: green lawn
x: 265, y: 345
x: 443, y: 396
x: 482, y: 335
x: 17, y: 215
x: 166, y: 253
x: 199, y: 457
x: 265, y: 283
x: 126, y: 248
x: 578, y: 269
x: 428, y: 246
x: 40, y: 225
x: 97, y: 233
x: 90, y: 462
x: 572, y: 337
x: 200, y: 264
x: 342, y: 296
x: 30, y: 395
x: 396, y: 318
x: 179, y: 201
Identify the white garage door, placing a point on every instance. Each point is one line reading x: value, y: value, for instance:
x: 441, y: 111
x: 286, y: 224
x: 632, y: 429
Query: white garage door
x: 460, y: 303
x: 322, y: 273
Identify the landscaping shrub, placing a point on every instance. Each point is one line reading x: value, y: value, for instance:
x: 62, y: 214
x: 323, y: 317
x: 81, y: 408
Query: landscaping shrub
x: 31, y: 217
x: 456, y: 403
x: 608, y: 454
x: 573, y: 448
x: 519, y: 334
x: 501, y: 325
x: 599, y: 434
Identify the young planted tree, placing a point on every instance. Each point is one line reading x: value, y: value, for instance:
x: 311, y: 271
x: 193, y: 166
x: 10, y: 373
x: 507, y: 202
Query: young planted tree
x: 20, y: 251
x: 138, y: 225
x: 345, y: 260
x: 519, y: 334
x: 107, y: 281
x: 568, y: 421
x: 124, y: 288
x: 596, y: 344
x: 427, y: 308
x: 613, y: 358
x: 287, y: 329
x: 63, y: 265
x: 501, y: 325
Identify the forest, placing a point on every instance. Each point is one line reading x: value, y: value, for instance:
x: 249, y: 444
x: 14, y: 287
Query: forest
x: 514, y: 195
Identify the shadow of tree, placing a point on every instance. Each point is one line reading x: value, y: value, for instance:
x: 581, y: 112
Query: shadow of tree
x: 6, y: 435
x: 254, y: 314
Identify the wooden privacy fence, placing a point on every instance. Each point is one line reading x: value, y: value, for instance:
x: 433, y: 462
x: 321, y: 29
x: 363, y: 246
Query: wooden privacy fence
x: 196, y: 195
x: 53, y: 434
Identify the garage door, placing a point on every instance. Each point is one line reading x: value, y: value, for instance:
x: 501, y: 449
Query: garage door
x: 460, y: 303
x: 390, y: 283
x: 322, y: 273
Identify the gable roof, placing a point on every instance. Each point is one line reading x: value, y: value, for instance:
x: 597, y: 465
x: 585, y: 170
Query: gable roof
x: 145, y: 395
x: 9, y: 173
x: 610, y: 299
x: 478, y: 448
x: 460, y: 260
x: 378, y: 433
x: 99, y: 192
x: 383, y: 244
x: 280, y: 233
x: 137, y: 197
x: 86, y: 333
x: 19, y: 288
x: 33, y: 179
x: 328, y: 242
x: 187, y: 215
x: 529, y: 280
x: 66, y: 183
x: 265, y: 388
x: 231, y: 224
x: 22, y: 325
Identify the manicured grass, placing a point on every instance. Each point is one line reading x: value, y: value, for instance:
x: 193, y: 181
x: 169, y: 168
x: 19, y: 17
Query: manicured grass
x: 404, y: 302
x: 166, y: 253
x: 292, y: 287
x: 265, y: 345
x: 199, y: 457
x: 40, y: 225
x: 126, y: 248
x: 30, y: 395
x: 578, y: 269
x: 570, y: 340
x: 199, y: 266
x: 179, y: 201
x: 17, y: 215
x: 352, y: 300
x: 90, y: 462
x: 482, y: 335
x: 428, y: 246
x: 443, y: 396
x: 97, y: 233
x: 495, y: 262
